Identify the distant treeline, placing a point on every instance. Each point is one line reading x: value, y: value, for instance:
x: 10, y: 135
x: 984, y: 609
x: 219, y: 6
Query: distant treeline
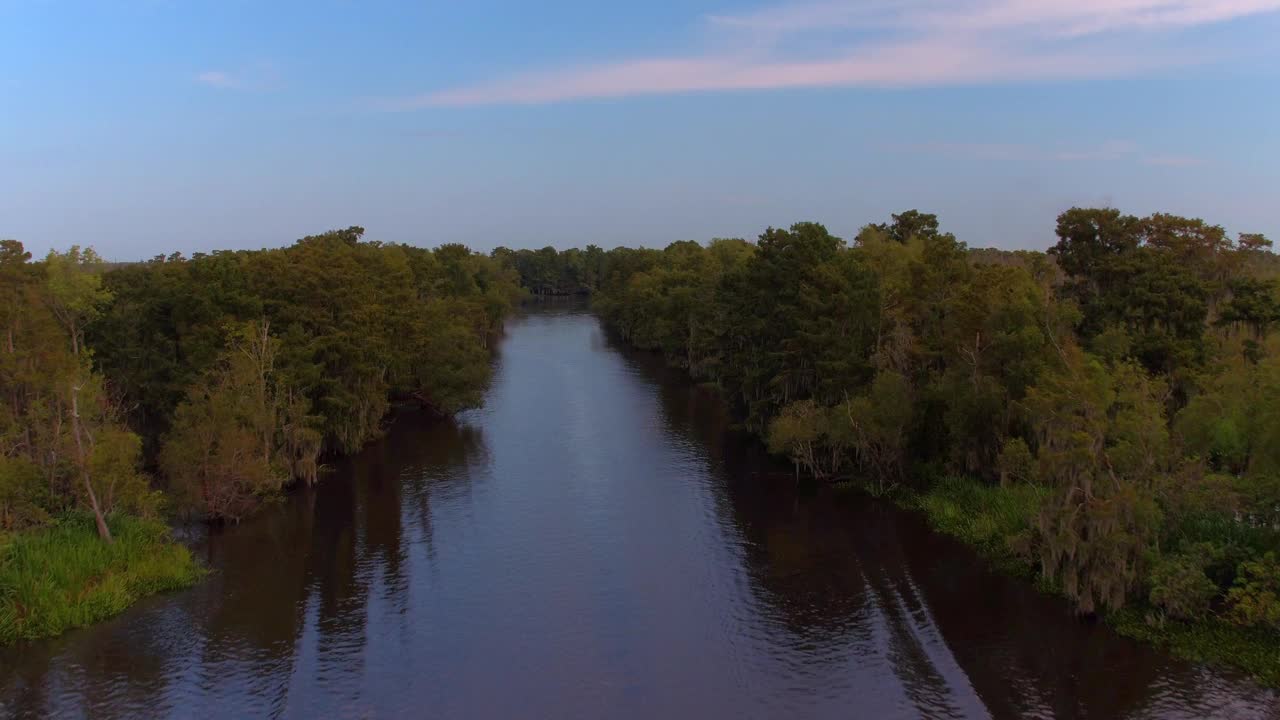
x: 1124, y: 386
x: 552, y: 272
x: 229, y: 374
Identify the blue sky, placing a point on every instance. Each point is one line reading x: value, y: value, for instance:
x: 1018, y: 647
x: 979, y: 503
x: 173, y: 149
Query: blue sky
x: 147, y: 126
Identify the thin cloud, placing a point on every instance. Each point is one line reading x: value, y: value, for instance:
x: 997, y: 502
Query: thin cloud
x: 975, y: 151
x: 1113, y: 150
x: 259, y: 77
x: 1107, y: 151
x: 1051, y: 17
x: 883, y: 43
x: 432, y: 133
x: 1172, y: 160
x: 218, y: 79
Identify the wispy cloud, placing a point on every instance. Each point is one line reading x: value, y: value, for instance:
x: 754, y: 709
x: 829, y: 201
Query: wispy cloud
x: 975, y: 151
x: 1112, y: 150
x: 885, y: 43
x: 218, y: 79
x: 262, y: 76
x: 1172, y: 160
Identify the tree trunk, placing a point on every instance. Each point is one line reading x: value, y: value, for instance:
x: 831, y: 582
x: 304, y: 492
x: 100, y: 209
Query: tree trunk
x: 103, y: 531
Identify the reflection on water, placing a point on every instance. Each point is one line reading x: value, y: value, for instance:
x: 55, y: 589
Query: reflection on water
x: 596, y: 542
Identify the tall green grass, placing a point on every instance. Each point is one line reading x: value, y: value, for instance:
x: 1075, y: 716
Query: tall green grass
x: 994, y: 520
x: 62, y: 576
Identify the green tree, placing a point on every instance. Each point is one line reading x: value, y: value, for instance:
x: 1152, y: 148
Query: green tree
x: 220, y: 455
x: 76, y: 294
x: 908, y: 225
x: 1100, y: 451
x: 1255, y: 599
x: 876, y: 424
x: 810, y: 435
x: 1179, y: 586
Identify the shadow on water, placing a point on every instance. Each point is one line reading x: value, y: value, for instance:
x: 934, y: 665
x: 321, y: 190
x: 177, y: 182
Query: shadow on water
x: 296, y: 577
x: 845, y: 573
x: 596, y: 541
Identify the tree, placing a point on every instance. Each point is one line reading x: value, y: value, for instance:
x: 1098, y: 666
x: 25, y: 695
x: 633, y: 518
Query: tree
x: 1179, y: 585
x: 75, y: 290
x: 1254, y: 242
x: 219, y: 454
x: 1110, y: 372
x: 1102, y: 454
x: 809, y: 434
x: 22, y: 494
x: 1095, y: 250
x: 1255, y: 599
x: 876, y: 425
x: 84, y: 449
x: 908, y: 225
x: 1254, y: 304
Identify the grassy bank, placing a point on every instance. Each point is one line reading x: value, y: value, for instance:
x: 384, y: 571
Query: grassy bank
x: 61, y: 577
x: 994, y: 520
x: 997, y: 521
x: 1213, y: 640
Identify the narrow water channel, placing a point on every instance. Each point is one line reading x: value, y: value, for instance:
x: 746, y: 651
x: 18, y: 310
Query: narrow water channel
x: 595, y: 542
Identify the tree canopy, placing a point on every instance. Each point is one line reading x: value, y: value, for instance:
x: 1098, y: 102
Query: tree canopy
x: 1130, y: 372
x: 228, y: 375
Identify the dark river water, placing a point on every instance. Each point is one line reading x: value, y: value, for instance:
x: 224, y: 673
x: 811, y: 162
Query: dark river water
x: 596, y: 542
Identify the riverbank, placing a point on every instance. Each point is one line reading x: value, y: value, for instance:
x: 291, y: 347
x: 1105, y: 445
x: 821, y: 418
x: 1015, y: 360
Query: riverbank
x: 61, y: 577
x: 996, y: 521
x: 628, y: 542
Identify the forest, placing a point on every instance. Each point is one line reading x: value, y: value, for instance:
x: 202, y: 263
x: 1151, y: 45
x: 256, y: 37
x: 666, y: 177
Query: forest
x: 200, y: 388
x: 1106, y: 414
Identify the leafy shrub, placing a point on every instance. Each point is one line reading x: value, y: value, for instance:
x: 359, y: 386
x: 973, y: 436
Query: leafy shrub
x: 1260, y: 497
x: 1016, y: 463
x: 803, y: 431
x: 1179, y: 586
x: 1255, y: 600
x: 23, y: 495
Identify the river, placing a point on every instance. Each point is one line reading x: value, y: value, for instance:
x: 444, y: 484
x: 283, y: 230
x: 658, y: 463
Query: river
x: 597, y: 542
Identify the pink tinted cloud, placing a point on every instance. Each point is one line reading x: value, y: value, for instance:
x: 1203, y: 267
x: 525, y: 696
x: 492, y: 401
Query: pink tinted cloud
x: 921, y: 43
x: 1059, y: 17
x: 901, y: 65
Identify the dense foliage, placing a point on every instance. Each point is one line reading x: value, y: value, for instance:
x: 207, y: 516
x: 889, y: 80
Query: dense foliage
x: 1108, y: 410
x: 231, y: 374
x: 1130, y: 377
x: 63, y: 442
x: 205, y: 385
x: 243, y: 369
x: 549, y: 272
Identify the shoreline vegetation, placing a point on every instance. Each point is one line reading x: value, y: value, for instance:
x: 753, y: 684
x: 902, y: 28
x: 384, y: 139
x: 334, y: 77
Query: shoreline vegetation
x: 62, y: 576
x: 200, y: 388
x: 994, y: 520
x: 1102, y: 418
